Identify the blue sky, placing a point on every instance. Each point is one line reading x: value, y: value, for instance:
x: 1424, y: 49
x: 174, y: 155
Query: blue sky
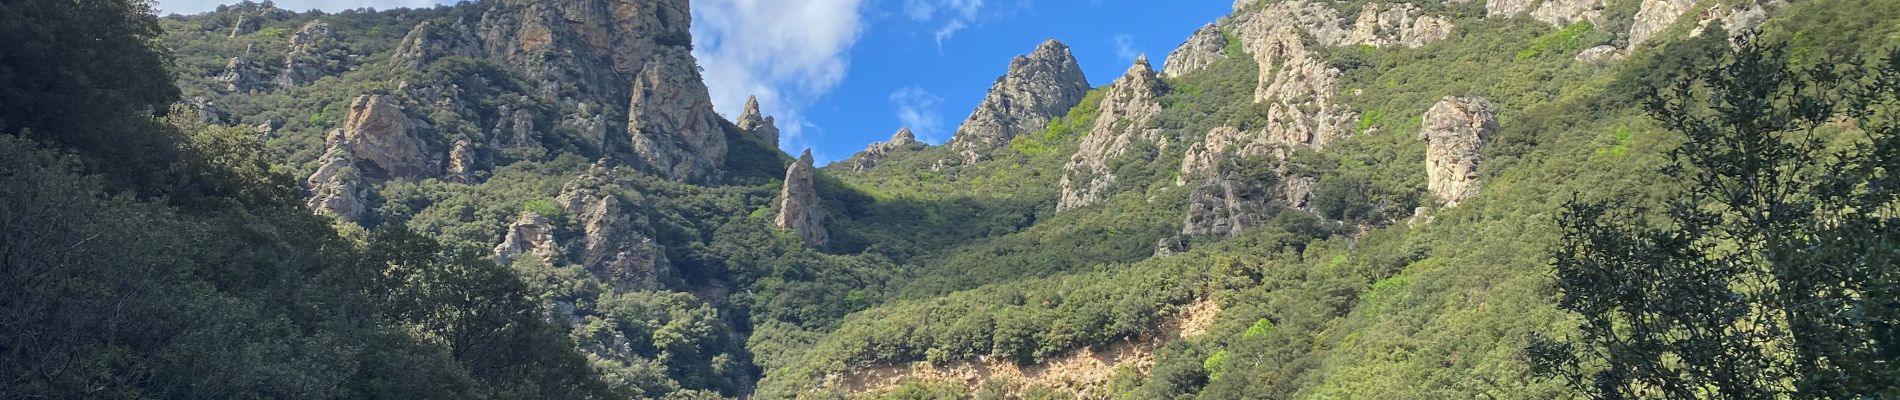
x: 840, y: 74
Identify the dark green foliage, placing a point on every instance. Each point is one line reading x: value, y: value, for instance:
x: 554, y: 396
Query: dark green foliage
x: 1771, y: 274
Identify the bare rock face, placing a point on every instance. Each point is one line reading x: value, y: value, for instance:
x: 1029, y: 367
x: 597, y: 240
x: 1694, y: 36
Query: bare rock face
x: 593, y: 47
x: 590, y: 121
x: 530, y: 235
x: 461, y: 163
x: 766, y: 128
x: 1558, y: 13
x: 1296, y: 83
x: 1455, y: 130
x: 1206, y: 47
x: 429, y: 41
x: 1039, y: 87
x: 309, y: 58
x: 1400, y: 24
x: 675, y: 132
x: 241, y: 74
x: 614, y: 244
x: 1598, y: 54
x: 337, y: 188
x: 1654, y: 17
x: 377, y: 133
x: 903, y: 141
x: 798, y: 204
x: 1129, y: 114
x: 514, y: 129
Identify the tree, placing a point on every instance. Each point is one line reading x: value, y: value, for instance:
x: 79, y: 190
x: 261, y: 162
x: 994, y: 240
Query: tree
x: 1773, y: 274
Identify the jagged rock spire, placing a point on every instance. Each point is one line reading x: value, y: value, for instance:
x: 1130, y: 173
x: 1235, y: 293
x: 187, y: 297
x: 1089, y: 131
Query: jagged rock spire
x: 1038, y: 87
x: 675, y: 132
x: 751, y: 120
x: 1130, y: 114
x: 798, y: 203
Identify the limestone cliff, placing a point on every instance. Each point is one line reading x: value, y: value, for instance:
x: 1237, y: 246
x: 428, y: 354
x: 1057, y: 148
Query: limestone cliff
x: 377, y: 133
x: 1202, y: 49
x: 1558, y: 13
x: 1130, y: 114
x: 430, y: 41
x: 1455, y: 131
x: 902, y: 141
x: 530, y: 235
x: 1037, y: 88
x: 1654, y: 16
x: 1400, y: 24
x: 675, y: 132
x: 798, y: 203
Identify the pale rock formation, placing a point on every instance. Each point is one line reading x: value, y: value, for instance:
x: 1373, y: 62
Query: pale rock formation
x: 241, y: 74
x: 1038, y: 87
x: 1129, y: 114
x: 1654, y: 16
x: 1297, y: 83
x: 1598, y: 54
x: 766, y: 128
x: 902, y: 141
x: 798, y: 204
x: 429, y: 41
x: 337, y: 188
x: 1455, y: 131
x: 1558, y: 13
x: 1400, y: 24
x: 590, y: 122
x: 593, y: 47
x: 1202, y: 49
x: 614, y: 244
x: 530, y: 235
x: 461, y: 163
x: 309, y: 58
x: 377, y: 133
x: 675, y: 132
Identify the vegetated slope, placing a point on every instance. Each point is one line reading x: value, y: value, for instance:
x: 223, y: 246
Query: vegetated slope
x: 1364, y: 189
x: 1351, y: 294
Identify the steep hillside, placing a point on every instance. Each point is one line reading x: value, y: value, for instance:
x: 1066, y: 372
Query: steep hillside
x: 535, y: 199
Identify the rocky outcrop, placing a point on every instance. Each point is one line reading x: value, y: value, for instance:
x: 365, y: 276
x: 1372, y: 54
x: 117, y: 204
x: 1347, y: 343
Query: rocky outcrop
x: 613, y: 243
x: 461, y: 163
x: 903, y: 141
x: 1130, y: 113
x: 1202, y: 49
x: 377, y: 133
x: 1455, y: 131
x: 337, y: 188
x: 241, y: 74
x: 798, y: 204
x: 430, y: 41
x: 1038, y: 87
x: 590, y: 122
x: 1234, y: 177
x: 1296, y: 83
x: 530, y: 235
x: 1598, y: 54
x: 1558, y: 13
x: 766, y: 128
x: 594, y: 48
x: 675, y: 132
x: 310, y: 57
x: 1400, y: 24
x: 1737, y: 19
x: 1654, y: 16
x: 514, y: 128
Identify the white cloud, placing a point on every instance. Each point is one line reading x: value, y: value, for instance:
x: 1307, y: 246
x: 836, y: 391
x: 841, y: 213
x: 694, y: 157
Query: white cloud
x: 953, y: 15
x: 917, y: 109
x: 199, y: 6
x: 1125, y: 47
x: 788, y: 53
